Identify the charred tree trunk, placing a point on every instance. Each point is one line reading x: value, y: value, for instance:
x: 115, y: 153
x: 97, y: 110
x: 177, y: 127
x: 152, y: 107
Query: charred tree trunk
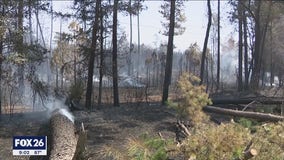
x: 272, y: 65
x: 246, y: 67
x: 138, y: 28
x: 240, y: 68
x: 48, y: 70
x: 261, y: 27
x: 129, y: 58
x: 114, y: 56
x: 218, y: 57
x: 138, y: 40
x: 92, y: 57
x: 1, y: 56
x: 1, y: 59
x: 101, y: 70
x: 256, y: 56
x: 19, y: 45
x: 205, y: 42
x: 169, y: 59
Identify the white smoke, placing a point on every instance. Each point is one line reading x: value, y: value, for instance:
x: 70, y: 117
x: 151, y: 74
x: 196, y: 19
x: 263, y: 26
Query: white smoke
x: 56, y: 105
x: 66, y: 113
x: 229, y: 61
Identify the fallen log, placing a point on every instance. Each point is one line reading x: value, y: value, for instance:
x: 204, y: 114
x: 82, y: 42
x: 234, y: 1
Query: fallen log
x: 246, y: 114
x: 63, y: 138
x: 277, y: 101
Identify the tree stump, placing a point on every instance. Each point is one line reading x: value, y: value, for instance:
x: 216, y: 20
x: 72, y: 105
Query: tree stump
x: 250, y: 154
x: 63, y: 138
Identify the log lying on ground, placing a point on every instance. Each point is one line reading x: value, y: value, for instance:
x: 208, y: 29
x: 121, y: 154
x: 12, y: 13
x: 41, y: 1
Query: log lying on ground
x: 246, y: 114
x: 216, y: 101
x: 63, y: 138
x: 67, y: 143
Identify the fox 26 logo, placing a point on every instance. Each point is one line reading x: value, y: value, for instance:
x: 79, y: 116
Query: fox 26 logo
x: 29, y: 142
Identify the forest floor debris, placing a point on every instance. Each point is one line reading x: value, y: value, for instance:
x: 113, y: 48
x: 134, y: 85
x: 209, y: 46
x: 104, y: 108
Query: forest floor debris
x: 107, y: 126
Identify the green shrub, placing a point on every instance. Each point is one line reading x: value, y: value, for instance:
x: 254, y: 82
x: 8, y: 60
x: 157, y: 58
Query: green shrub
x: 193, y: 99
x: 147, y: 148
x: 225, y: 141
x: 143, y: 147
x: 268, y: 140
x: 248, y: 123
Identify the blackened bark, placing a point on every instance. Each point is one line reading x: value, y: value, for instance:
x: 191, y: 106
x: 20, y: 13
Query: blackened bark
x: 138, y: 27
x: 240, y: 68
x: 272, y: 66
x: 169, y: 60
x: 92, y: 57
x: 261, y: 27
x: 246, y: 67
x: 101, y: 70
x: 138, y: 36
x: 114, y: 56
x: 205, y: 42
x: 19, y: 45
x: 1, y: 57
x: 129, y: 58
x: 256, y: 56
x: 218, y: 57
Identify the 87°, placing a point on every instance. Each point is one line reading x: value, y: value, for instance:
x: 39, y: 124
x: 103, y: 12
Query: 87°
x: 29, y: 152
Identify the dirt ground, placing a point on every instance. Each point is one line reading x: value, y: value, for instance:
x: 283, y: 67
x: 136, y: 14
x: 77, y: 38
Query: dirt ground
x: 109, y: 126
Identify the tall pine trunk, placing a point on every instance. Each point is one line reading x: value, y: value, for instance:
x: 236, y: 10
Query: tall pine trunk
x: 92, y: 57
x: 205, y: 42
x: 19, y: 46
x: 101, y: 70
x: 246, y: 66
x: 1, y: 59
x: 48, y: 70
x: 240, y: 69
x: 30, y: 21
x: 272, y: 66
x: 218, y: 52
x: 1, y: 56
x: 129, y: 58
x: 261, y: 27
x: 138, y: 36
x: 138, y: 27
x: 256, y: 56
x: 169, y: 59
x: 114, y: 56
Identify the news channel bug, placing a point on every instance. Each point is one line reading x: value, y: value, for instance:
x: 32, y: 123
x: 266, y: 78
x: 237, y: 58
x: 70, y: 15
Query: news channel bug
x: 30, y: 145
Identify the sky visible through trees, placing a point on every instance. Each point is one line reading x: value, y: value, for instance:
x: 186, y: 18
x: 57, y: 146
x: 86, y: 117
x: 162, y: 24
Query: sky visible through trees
x: 72, y: 52
x: 195, y: 23
x: 150, y: 23
x: 111, y: 56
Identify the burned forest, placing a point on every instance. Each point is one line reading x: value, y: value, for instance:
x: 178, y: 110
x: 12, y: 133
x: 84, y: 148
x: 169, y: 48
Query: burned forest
x: 141, y: 80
